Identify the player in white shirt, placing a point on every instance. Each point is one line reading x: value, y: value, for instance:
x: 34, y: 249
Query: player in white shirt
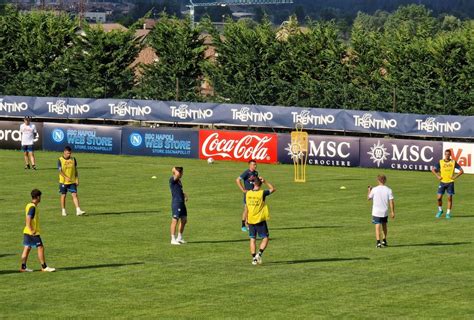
x: 382, y: 197
x: 28, y: 135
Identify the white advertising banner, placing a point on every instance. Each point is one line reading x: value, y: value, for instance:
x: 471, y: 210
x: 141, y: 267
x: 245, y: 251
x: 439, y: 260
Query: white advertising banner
x: 463, y: 153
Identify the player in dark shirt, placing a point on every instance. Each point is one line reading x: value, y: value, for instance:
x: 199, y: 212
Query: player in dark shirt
x: 178, y: 206
x: 247, y: 177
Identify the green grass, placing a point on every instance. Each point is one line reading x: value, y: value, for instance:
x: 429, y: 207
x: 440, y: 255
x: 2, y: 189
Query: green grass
x: 321, y: 261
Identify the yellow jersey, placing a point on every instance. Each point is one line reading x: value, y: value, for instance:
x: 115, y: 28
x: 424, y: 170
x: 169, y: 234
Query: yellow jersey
x: 446, y: 170
x: 68, y: 168
x: 257, y: 209
x: 33, y: 211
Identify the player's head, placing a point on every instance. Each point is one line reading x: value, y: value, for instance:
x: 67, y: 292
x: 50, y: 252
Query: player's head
x: 67, y: 152
x: 381, y: 178
x: 447, y: 154
x: 27, y: 120
x: 257, y: 184
x: 36, y: 195
x: 178, y: 171
x: 252, y: 164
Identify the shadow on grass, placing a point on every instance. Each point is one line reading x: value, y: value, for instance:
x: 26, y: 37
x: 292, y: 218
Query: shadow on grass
x: 319, y: 260
x: 121, y: 212
x: 97, y: 266
x: 2, y: 255
x: 430, y: 244
x: 100, y: 266
x: 455, y: 217
x: 305, y: 227
x: 219, y: 241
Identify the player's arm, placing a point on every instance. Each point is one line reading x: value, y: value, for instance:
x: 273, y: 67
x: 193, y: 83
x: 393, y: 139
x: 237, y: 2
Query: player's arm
x: 369, y: 193
x: 392, y: 208
x: 435, y: 171
x: 77, y: 172
x: 460, y: 173
x: 271, y: 188
x: 29, y: 219
x: 238, y: 181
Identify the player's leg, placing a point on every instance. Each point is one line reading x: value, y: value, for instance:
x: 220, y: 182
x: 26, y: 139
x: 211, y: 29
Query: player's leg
x: 439, y: 198
x: 24, y: 259
x: 262, y: 229
x: 244, y: 217
x: 174, y: 223
x: 42, y: 260
x: 385, y: 232
x: 32, y: 158
x: 25, y: 156
x: 182, y: 223
x: 63, y: 204
x: 75, y: 199
x: 450, y: 206
x: 253, y: 249
x: 377, y: 235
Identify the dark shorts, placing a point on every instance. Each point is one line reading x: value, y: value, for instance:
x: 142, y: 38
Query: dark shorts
x: 260, y: 228
x: 379, y: 220
x: 27, y: 148
x: 446, y: 187
x: 32, y: 241
x: 178, y: 210
x: 64, y: 188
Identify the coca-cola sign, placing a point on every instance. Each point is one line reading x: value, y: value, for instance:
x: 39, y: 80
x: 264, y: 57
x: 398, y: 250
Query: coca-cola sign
x: 237, y: 146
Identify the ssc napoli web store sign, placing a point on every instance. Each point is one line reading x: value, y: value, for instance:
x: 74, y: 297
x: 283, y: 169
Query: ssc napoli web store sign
x: 160, y: 142
x: 82, y: 138
x: 399, y: 154
x: 323, y: 150
x: 10, y: 135
x: 238, y: 146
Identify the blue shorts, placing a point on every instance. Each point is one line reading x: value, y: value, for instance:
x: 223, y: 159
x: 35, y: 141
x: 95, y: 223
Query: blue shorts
x: 260, y: 228
x: 27, y: 148
x: 64, y: 188
x: 178, y: 211
x: 379, y: 220
x: 446, y: 187
x: 32, y: 241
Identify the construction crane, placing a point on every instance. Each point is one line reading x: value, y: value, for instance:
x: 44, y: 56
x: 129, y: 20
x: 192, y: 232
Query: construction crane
x: 224, y: 3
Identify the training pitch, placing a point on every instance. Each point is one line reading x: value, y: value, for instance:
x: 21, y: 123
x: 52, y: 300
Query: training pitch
x: 321, y: 261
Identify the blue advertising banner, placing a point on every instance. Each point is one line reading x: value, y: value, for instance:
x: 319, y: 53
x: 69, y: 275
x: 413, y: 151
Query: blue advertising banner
x: 160, y: 142
x: 82, y: 138
x: 323, y: 150
x: 400, y: 154
x: 239, y: 115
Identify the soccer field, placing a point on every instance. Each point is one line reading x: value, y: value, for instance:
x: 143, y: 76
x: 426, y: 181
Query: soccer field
x: 321, y: 261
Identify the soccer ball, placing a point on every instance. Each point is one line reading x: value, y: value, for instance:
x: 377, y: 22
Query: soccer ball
x: 210, y: 160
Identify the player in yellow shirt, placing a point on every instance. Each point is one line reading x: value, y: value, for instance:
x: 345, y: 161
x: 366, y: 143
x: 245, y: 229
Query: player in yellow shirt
x: 68, y: 180
x: 31, y: 234
x: 257, y: 216
x: 444, y: 171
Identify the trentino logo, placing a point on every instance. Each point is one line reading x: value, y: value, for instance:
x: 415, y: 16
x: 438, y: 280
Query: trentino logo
x: 60, y: 107
x: 13, y: 106
x: 431, y: 125
x: 244, y: 115
x: 135, y: 139
x: 305, y: 117
x: 378, y: 153
x: 183, y: 112
x: 58, y: 135
x: 122, y: 109
x: 367, y: 122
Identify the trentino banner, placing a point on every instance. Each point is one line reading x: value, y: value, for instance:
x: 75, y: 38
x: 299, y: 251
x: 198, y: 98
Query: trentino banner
x: 239, y: 115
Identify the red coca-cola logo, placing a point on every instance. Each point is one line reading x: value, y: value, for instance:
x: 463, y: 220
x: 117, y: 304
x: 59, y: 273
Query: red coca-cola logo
x: 238, y: 146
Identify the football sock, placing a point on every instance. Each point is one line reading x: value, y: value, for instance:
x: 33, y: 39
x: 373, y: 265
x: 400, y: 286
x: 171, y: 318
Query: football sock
x: 173, y: 238
x: 378, y: 241
x: 63, y: 210
x: 440, y: 208
x: 253, y: 255
x: 260, y: 252
x: 448, y: 211
x: 23, y: 265
x: 243, y: 223
x: 180, y: 236
x: 44, y: 266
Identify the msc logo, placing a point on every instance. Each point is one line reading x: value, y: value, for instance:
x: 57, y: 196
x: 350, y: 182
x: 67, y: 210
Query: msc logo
x: 57, y: 135
x: 135, y: 139
x: 378, y: 153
